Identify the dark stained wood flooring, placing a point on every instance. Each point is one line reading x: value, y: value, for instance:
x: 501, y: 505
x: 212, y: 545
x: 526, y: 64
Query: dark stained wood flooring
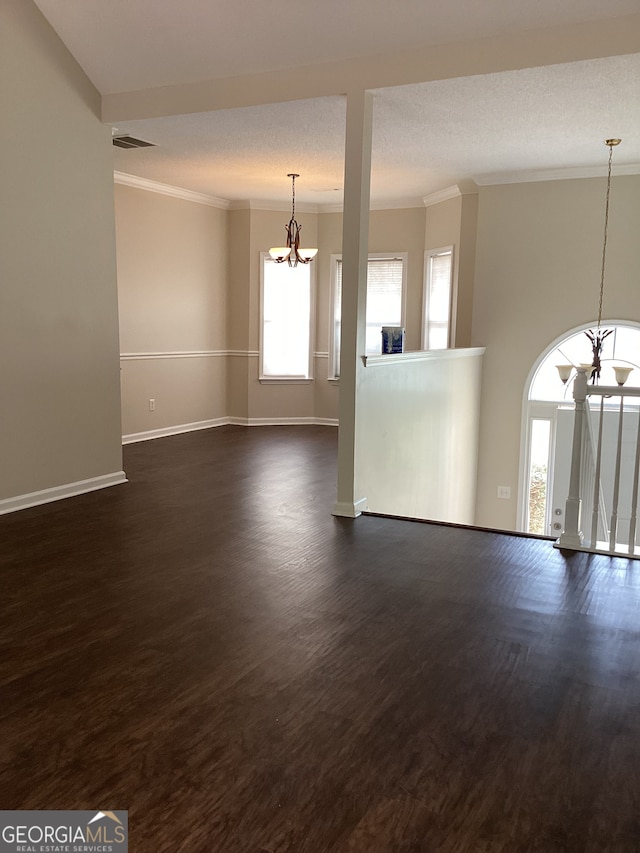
x: 210, y: 649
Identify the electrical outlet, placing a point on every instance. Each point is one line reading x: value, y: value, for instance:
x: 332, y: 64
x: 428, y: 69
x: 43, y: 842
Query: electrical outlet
x: 152, y: 405
x: 504, y: 492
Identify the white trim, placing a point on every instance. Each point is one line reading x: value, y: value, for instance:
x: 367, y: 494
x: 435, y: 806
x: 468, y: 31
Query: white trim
x: 396, y: 204
x: 274, y: 206
x: 165, y: 189
x: 145, y: 356
x: 68, y: 490
x: 346, y: 509
x: 255, y: 422
x: 390, y: 204
x: 407, y: 203
x: 178, y: 429
x: 621, y: 550
x: 442, y: 195
x: 227, y: 421
x: 265, y: 258
x: 566, y: 174
x: 285, y: 380
x: 422, y: 355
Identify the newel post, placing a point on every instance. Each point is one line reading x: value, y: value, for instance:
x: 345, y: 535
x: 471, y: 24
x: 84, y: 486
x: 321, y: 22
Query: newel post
x: 572, y: 535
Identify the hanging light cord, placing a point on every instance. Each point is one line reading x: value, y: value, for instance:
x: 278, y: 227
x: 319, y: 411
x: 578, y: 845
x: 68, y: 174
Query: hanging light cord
x: 610, y: 143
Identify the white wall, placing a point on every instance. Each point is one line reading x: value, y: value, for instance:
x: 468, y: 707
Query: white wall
x: 59, y: 376
x: 417, y: 444
x: 539, y: 251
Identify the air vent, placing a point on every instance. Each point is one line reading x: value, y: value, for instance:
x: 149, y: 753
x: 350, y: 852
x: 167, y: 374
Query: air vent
x: 131, y: 142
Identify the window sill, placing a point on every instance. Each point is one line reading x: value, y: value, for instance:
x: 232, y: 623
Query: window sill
x: 284, y: 380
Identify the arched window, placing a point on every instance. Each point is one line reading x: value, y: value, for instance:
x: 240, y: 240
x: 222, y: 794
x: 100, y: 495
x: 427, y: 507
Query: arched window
x: 621, y: 348
x: 548, y: 419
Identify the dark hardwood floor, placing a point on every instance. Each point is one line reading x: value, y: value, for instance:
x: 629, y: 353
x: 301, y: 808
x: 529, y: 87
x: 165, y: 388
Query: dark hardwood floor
x: 210, y: 649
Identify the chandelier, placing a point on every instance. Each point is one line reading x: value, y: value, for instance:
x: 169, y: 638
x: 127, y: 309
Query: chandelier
x: 292, y: 253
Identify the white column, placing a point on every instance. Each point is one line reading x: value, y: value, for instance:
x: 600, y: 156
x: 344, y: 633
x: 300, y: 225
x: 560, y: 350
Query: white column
x: 572, y: 535
x: 355, y: 245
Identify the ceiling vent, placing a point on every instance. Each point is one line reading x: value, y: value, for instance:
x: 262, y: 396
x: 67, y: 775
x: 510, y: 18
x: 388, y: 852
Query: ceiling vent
x: 127, y: 141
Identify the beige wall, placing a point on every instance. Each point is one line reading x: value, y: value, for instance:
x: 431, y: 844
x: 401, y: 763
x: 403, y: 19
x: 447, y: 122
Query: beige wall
x: 189, y: 280
x: 238, y: 313
x: 172, y: 285
x: 59, y: 378
x: 537, y: 276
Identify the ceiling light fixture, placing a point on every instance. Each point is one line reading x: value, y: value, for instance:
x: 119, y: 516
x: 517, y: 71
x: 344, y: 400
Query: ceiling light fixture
x: 292, y: 253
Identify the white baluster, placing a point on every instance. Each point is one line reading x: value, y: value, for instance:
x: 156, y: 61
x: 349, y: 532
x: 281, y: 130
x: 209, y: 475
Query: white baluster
x: 634, y: 495
x: 596, y: 485
x: 616, y: 484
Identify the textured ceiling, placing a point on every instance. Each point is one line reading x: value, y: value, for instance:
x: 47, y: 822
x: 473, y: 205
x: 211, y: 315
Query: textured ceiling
x: 514, y: 125
x: 489, y: 128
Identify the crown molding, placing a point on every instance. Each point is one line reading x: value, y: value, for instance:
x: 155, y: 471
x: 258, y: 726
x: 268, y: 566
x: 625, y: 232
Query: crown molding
x: 274, y: 206
x: 567, y: 174
x: 166, y: 189
x: 395, y: 204
x: 442, y: 195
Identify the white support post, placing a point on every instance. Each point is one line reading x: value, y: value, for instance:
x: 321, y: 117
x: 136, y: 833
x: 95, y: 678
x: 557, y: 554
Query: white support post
x: 572, y: 535
x: 355, y: 241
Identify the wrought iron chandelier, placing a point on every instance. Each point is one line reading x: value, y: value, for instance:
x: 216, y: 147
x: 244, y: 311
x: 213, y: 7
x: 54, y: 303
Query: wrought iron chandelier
x: 292, y: 253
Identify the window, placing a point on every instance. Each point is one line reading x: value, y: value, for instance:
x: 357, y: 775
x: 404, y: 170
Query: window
x: 285, y: 345
x: 436, y: 323
x: 547, y: 426
x: 386, y: 286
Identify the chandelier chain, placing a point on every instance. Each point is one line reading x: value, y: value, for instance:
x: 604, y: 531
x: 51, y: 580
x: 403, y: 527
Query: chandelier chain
x: 610, y: 143
x: 293, y: 193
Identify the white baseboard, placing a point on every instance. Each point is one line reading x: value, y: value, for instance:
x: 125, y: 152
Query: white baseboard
x: 173, y: 430
x: 283, y: 421
x: 193, y: 427
x: 69, y: 490
x: 346, y: 509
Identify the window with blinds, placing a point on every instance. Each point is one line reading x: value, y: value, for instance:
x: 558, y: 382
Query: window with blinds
x: 436, y: 325
x: 385, y: 302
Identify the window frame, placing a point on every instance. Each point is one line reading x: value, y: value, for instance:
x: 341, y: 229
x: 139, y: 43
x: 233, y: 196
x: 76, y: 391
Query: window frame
x: 372, y: 256
x: 428, y: 256
x: 287, y: 379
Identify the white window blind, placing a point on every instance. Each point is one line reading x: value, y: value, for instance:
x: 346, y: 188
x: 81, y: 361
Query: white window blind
x: 286, y: 320
x: 385, y: 277
x: 437, y: 315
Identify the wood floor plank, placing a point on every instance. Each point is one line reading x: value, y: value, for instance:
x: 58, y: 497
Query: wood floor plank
x: 209, y: 648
